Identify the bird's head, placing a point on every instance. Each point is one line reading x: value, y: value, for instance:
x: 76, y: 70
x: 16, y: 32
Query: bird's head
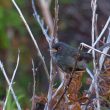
x: 59, y: 48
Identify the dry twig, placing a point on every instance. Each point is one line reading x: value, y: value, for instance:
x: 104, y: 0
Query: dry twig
x: 47, y: 15
x: 14, y: 73
x: 102, y: 32
x: 33, y: 39
x: 34, y: 86
x: 50, y: 42
x: 9, y: 84
x: 55, y: 34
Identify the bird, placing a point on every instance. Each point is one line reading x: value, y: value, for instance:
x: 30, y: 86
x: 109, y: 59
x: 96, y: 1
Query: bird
x: 65, y: 57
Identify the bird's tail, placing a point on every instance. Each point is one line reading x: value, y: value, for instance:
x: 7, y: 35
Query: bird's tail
x: 86, y: 56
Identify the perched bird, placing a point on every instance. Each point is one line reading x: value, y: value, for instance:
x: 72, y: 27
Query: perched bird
x: 65, y: 56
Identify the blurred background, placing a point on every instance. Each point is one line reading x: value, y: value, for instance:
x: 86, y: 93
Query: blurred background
x: 74, y: 27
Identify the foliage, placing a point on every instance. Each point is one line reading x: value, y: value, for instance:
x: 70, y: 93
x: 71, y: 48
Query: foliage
x: 13, y: 21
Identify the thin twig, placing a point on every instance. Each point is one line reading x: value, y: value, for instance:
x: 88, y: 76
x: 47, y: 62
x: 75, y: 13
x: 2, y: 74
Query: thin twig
x: 55, y: 34
x: 92, y: 48
x: 94, y: 7
x: 102, y: 32
x: 58, y: 89
x: 14, y: 73
x: 107, y: 44
x: 34, y: 86
x: 50, y: 41
x: 9, y: 84
x: 33, y: 39
x: 90, y: 73
x: 50, y: 91
x: 47, y: 15
x: 105, y: 50
x: 41, y: 23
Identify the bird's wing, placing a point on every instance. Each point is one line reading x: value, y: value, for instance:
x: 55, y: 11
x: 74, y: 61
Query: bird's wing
x: 83, y: 55
x: 74, y: 52
x: 86, y: 56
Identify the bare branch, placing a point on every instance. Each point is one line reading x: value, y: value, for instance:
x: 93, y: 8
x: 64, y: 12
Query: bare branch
x: 96, y: 90
x: 90, y: 73
x: 94, y: 25
x: 85, y: 45
x: 34, y: 86
x: 50, y: 91
x: 9, y: 84
x: 58, y: 89
x: 56, y: 20
x: 33, y: 39
x: 105, y: 50
x: 37, y: 17
x: 14, y: 73
x: 50, y: 41
x: 94, y: 6
x: 47, y: 15
x: 102, y: 32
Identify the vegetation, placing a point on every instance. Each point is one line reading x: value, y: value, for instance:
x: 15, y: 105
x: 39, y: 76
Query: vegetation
x: 71, y: 23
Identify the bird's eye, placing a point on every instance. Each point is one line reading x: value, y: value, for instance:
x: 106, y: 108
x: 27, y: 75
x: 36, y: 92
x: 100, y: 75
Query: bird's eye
x: 59, y: 48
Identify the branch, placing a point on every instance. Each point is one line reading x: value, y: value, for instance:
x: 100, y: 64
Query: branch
x: 102, y: 32
x: 34, y: 86
x: 41, y: 23
x: 92, y: 48
x: 55, y: 34
x: 58, y: 89
x: 50, y: 91
x: 50, y: 40
x: 47, y: 15
x: 33, y: 39
x: 9, y: 84
x: 94, y: 18
x: 90, y: 73
x: 14, y: 73
x: 105, y: 50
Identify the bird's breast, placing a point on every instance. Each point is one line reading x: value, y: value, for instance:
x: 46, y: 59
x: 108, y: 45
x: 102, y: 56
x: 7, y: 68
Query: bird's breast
x: 64, y: 62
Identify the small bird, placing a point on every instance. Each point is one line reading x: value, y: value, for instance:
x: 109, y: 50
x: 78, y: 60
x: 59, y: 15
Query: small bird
x: 65, y: 56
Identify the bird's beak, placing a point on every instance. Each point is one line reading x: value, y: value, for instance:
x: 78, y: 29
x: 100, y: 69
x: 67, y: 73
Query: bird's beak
x: 53, y: 50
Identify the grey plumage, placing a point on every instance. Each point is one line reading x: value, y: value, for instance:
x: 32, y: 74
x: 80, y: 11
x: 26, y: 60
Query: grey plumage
x: 65, y: 57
